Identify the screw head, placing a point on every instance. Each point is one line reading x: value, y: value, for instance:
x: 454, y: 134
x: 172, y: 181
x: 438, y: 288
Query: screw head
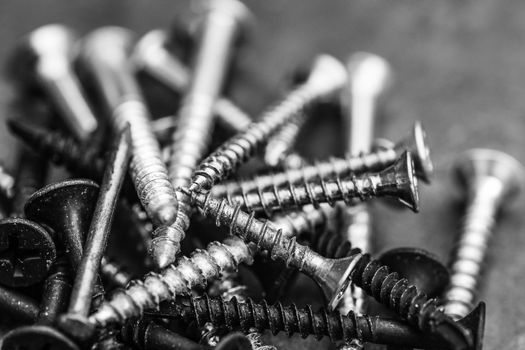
x: 475, y: 322
x: 327, y: 75
x: 368, y: 74
x: 37, y: 338
x: 479, y: 164
x: 230, y: 8
x: 420, y: 267
x: 417, y: 144
x: 150, y: 48
x: 107, y: 46
x: 27, y: 252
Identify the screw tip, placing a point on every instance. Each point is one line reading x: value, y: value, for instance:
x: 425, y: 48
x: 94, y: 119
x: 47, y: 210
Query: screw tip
x: 164, y: 251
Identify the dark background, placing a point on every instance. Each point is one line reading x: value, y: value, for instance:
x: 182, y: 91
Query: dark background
x: 460, y: 68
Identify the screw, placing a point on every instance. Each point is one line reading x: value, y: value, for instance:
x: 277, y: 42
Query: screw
x: 234, y: 315
x: 105, y: 52
x: 75, y: 320
x: 334, y: 276
x: 326, y: 78
x: 113, y: 273
x: 396, y: 181
x: 376, y: 161
x: 490, y: 178
x: 279, y: 147
x: 54, y: 299
x: 18, y: 306
x: 7, y: 183
x: 220, y: 27
x: 179, y: 278
x: 152, y: 56
x: 45, y: 58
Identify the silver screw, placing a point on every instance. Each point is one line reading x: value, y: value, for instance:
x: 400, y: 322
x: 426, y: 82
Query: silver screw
x: 114, y: 273
x: 189, y: 272
x: 326, y: 78
x: 414, y: 142
x: 191, y: 139
x: 52, y: 49
x: 7, y: 183
x: 278, y: 151
x: 105, y: 53
x: 491, y: 179
x: 397, y: 181
x: 151, y: 56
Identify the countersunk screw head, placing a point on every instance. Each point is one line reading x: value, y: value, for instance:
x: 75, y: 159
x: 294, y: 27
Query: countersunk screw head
x: 26, y: 252
x: 475, y: 322
x: 417, y: 144
x: 478, y: 164
x: 327, y: 75
x: 37, y: 337
x: 369, y: 74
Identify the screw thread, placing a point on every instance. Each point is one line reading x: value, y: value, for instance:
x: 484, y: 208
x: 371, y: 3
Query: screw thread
x: 114, y: 273
x: 239, y: 148
x: 309, y: 220
x: 295, y: 196
x: 332, y: 245
x: 189, y: 272
x: 320, y: 170
x: 281, y: 143
x: 147, y: 169
x: 467, y: 261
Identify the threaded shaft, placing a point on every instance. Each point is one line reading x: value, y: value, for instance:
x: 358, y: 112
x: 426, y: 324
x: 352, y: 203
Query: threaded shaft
x: 148, y: 172
x: 114, y: 273
x: 308, y: 220
x: 368, y: 274
x: 294, y: 196
x: 321, y: 170
x: 201, y: 266
x: 282, y: 142
x: 467, y: 260
x: 235, y: 315
x: 239, y: 148
x: 332, y: 245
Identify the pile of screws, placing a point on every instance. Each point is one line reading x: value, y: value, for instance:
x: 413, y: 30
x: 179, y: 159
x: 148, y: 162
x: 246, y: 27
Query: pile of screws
x: 307, y: 216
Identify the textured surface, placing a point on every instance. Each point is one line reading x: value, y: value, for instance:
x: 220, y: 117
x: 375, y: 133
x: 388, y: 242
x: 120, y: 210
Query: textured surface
x: 459, y: 68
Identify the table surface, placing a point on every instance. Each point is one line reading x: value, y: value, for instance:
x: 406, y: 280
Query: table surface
x: 459, y: 68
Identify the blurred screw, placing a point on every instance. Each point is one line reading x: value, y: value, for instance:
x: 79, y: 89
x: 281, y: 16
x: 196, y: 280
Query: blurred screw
x: 278, y: 151
x: 151, y: 56
x: 45, y: 58
x: 105, y: 52
x: 18, y: 306
x: 326, y: 78
x: 490, y: 179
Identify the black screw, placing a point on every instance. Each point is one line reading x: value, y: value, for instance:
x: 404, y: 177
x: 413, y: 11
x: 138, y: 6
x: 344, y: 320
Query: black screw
x: 42, y: 335
x: 18, y: 306
x: 235, y: 315
x: 75, y: 321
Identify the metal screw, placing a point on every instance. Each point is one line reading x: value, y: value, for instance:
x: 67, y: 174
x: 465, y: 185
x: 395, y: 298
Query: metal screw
x: 75, y: 320
x: 376, y: 161
x: 113, y: 273
x: 491, y: 179
x: 397, y: 181
x: 176, y: 279
x: 220, y: 27
x: 6, y: 183
x: 326, y: 78
x: 105, y: 52
x: 49, y: 52
x: 54, y: 299
x: 151, y: 56
x: 248, y: 314
x: 278, y: 151
x: 334, y: 276
x: 18, y: 306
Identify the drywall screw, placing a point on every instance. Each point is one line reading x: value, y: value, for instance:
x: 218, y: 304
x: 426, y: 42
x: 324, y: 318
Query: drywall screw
x: 176, y: 279
x: 7, y: 183
x: 376, y: 161
x: 278, y: 150
x: 75, y: 320
x: 113, y: 273
x: 326, y: 78
x: 490, y: 179
x: 396, y: 181
x: 152, y: 56
x: 334, y: 276
x: 244, y: 315
x: 105, y: 52
x: 54, y: 299
x: 220, y: 27
x: 18, y: 306
x: 45, y: 58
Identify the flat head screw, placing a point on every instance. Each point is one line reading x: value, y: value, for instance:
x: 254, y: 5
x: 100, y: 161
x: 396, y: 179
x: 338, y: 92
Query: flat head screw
x: 105, y: 53
x: 326, y: 78
x: 151, y: 56
x: 42, y: 335
x: 44, y: 58
x: 334, y: 275
x: 415, y: 142
x: 75, y: 320
x: 397, y: 181
x: 491, y: 179
x: 221, y: 24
